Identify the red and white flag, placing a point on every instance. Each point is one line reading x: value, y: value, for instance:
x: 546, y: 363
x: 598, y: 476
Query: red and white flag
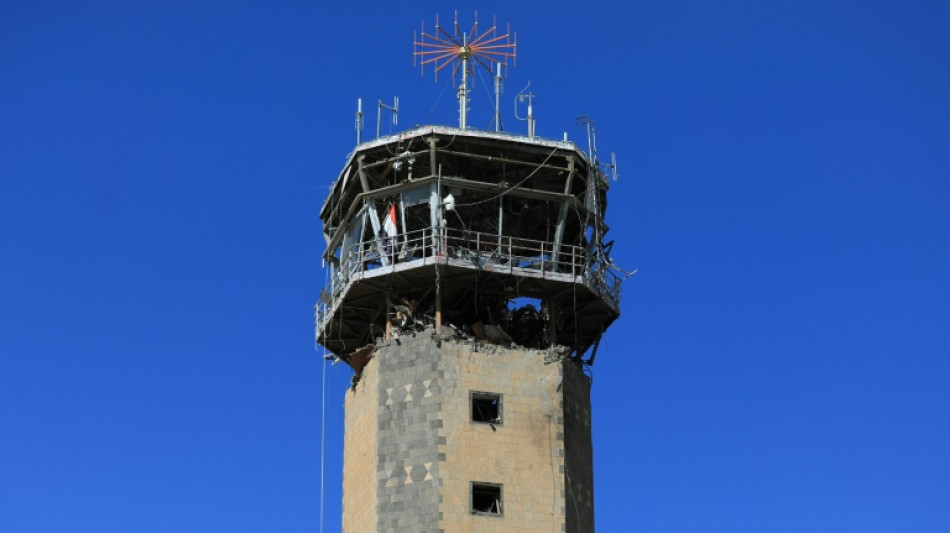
x: 389, y: 226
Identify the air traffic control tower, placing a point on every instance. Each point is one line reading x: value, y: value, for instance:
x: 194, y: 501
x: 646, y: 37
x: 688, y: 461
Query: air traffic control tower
x: 469, y: 287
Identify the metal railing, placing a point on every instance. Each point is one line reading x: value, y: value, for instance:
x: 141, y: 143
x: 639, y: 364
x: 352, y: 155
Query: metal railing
x: 464, y: 248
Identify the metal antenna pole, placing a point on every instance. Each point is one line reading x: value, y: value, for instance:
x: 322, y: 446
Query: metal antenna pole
x: 590, y: 147
x: 585, y: 121
x: 530, y: 115
x: 379, y: 112
x: 522, y: 96
x: 498, y: 97
x: 463, y: 94
x: 359, y: 120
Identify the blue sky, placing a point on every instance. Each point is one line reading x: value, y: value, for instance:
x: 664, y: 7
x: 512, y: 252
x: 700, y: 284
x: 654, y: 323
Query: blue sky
x: 781, y: 363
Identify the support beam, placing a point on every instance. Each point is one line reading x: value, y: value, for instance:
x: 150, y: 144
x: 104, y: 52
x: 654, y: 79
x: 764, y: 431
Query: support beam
x: 389, y: 317
x: 378, y: 243
x: 461, y: 183
x: 562, y: 215
x: 519, y: 192
x: 438, y: 302
x: 593, y: 354
x: 391, y: 159
x: 432, y: 168
x: 362, y: 173
x: 570, y: 175
x: 501, y: 159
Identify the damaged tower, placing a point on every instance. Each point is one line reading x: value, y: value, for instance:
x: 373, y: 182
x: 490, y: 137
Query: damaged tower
x: 469, y: 286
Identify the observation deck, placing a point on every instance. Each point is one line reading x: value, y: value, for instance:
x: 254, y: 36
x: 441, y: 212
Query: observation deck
x: 494, y: 235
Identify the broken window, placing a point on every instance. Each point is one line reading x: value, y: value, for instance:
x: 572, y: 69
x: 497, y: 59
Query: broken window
x: 486, y: 498
x: 486, y: 408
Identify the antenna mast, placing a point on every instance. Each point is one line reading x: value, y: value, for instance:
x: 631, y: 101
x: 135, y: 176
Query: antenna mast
x: 498, y: 98
x: 522, y: 96
x: 359, y: 120
x: 464, y: 51
x: 379, y: 112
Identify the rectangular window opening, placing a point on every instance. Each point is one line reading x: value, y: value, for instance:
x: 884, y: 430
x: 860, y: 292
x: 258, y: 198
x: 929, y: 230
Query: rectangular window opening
x: 486, y: 408
x: 486, y: 498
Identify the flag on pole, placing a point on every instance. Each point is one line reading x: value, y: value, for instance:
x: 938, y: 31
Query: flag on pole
x: 389, y: 226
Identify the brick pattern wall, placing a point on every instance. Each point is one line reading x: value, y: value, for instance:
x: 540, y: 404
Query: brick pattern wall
x: 524, y: 453
x: 359, y: 453
x: 408, y: 421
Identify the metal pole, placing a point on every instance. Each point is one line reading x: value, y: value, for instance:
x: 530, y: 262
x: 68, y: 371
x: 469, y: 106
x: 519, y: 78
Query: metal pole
x: 438, y: 305
x: 501, y: 216
x: 463, y: 94
x: 439, y: 257
x: 590, y: 145
x: 389, y: 317
x: 530, y: 116
x: 498, y: 98
x: 379, y: 112
x: 359, y: 120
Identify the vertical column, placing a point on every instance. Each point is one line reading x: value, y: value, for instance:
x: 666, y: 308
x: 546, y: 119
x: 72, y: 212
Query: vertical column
x: 389, y: 316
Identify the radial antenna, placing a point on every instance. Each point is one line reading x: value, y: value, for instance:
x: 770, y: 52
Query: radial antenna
x: 464, y: 51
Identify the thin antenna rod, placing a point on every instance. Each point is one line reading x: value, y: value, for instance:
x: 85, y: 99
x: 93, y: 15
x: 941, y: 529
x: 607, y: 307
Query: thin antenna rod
x: 531, y: 115
x: 464, y: 55
x: 498, y: 97
x: 583, y: 121
x: 359, y: 120
x: 379, y: 112
x: 522, y: 96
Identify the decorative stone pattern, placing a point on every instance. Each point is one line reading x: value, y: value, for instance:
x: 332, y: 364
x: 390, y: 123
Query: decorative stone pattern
x: 408, y: 424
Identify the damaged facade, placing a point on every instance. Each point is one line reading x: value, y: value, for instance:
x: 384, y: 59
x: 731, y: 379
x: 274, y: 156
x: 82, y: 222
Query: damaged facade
x: 470, y: 283
x: 441, y: 225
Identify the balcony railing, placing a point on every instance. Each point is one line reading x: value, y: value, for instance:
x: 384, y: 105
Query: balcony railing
x: 462, y: 248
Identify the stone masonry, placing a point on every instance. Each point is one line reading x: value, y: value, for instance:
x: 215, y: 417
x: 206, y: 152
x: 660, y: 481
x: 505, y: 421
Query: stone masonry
x: 412, y: 450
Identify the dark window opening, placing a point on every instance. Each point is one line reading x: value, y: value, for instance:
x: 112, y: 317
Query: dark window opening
x: 486, y: 498
x: 486, y: 408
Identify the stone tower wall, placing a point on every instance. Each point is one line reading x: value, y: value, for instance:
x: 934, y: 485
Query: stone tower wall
x: 579, y: 452
x: 359, y: 453
x: 413, y: 451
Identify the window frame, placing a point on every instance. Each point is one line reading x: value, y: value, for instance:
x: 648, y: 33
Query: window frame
x: 473, y: 485
x: 474, y: 396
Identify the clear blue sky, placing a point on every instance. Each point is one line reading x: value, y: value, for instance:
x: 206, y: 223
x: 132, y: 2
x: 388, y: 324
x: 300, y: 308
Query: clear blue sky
x: 781, y: 364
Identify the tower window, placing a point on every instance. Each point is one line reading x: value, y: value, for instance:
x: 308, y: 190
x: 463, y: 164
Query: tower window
x: 486, y: 408
x: 486, y: 498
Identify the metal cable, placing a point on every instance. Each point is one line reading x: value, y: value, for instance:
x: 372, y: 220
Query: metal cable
x: 437, y: 100
x: 515, y: 186
x: 323, y: 418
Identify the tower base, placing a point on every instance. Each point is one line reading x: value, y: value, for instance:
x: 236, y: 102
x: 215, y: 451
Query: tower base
x: 462, y: 436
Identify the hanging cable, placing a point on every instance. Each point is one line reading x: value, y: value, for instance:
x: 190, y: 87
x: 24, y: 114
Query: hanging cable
x: 480, y: 77
x: 515, y: 186
x: 439, y: 98
x: 323, y: 416
x: 323, y: 425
